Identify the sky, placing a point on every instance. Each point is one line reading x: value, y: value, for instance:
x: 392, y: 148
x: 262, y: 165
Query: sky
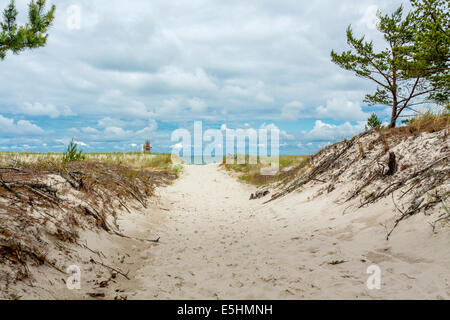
x: 122, y: 72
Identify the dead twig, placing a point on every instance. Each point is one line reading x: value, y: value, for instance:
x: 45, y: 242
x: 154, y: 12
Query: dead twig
x: 444, y: 216
x: 111, y: 268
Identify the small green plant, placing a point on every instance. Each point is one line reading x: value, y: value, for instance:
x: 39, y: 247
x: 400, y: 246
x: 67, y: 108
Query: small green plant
x: 373, y: 122
x: 72, y: 153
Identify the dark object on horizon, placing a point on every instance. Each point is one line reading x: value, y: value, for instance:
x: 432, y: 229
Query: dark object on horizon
x: 147, y: 148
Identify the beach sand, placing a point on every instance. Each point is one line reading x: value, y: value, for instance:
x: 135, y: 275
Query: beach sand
x: 216, y: 244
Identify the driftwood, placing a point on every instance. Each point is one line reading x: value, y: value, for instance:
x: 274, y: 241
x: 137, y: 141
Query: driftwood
x: 125, y: 275
x: 96, y: 294
x: 259, y: 194
x: 101, y: 222
x: 398, y: 184
x: 415, y: 207
x: 392, y: 164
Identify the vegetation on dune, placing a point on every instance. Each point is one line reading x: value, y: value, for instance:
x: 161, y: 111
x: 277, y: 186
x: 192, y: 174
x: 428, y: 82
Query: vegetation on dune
x: 251, y: 173
x: 426, y: 122
x: 381, y: 162
x: 44, y: 200
x: 73, y: 153
x: 132, y: 160
x: 432, y: 46
x: 373, y: 121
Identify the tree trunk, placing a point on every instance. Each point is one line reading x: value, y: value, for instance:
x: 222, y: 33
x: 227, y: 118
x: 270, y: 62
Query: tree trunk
x: 393, y: 116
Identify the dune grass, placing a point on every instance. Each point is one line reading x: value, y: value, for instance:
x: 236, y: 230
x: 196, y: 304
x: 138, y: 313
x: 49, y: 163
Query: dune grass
x: 135, y: 160
x: 427, y: 122
x: 251, y: 173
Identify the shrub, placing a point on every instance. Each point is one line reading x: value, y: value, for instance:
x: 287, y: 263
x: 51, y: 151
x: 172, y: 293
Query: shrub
x: 373, y: 122
x: 72, y: 153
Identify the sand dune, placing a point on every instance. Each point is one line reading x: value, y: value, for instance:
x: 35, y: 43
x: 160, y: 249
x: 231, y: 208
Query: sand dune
x: 216, y: 244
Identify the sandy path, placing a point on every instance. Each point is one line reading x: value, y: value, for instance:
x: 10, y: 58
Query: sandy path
x: 216, y: 244
x: 211, y: 241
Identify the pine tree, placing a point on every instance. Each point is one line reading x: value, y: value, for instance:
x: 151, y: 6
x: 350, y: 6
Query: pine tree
x: 373, y: 121
x: 32, y: 35
x: 396, y: 69
x: 431, y: 52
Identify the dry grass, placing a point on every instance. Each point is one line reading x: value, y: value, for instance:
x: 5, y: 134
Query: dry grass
x: 137, y: 160
x: 251, y: 173
x: 429, y: 122
x: 409, y: 164
x: 45, y: 201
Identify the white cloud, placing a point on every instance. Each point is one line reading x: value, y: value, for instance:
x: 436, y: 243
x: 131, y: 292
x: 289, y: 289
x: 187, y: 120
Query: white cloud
x: 244, y: 89
x: 117, y: 102
x: 177, y: 146
x: 20, y: 128
x: 116, y: 132
x: 170, y: 107
x: 176, y: 62
x: 197, y: 105
x: 324, y: 144
x: 89, y: 130
x: 110, y: 122
x: 73, y: 130
x: 341, y: 109
x: 38, y: 109
x: 149, y: 129
x: 246, y: 62
x: 283, y: 134
x: 81, y: 143
x: 330, y: 132
x: 175, y: 77
x: 292, y: 111
x: 370, y: 18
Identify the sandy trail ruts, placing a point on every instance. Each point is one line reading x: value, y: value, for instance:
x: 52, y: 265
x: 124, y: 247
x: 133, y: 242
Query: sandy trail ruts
x: 216, y: 244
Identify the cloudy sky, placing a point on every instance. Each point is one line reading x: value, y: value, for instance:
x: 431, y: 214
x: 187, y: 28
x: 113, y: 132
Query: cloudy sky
x: 132, y: 70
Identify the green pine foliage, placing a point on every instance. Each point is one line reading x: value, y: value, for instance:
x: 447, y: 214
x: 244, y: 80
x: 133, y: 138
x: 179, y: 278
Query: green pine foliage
x: 432, y: 46
x: 413, y: 67
x: 373, y: 122
x: 32, y: 35
x: 72, y: 153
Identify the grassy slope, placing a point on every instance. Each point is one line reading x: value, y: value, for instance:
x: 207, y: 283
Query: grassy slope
x: 251, y: 173
x: 135, y: 160
x: 292, y: 166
